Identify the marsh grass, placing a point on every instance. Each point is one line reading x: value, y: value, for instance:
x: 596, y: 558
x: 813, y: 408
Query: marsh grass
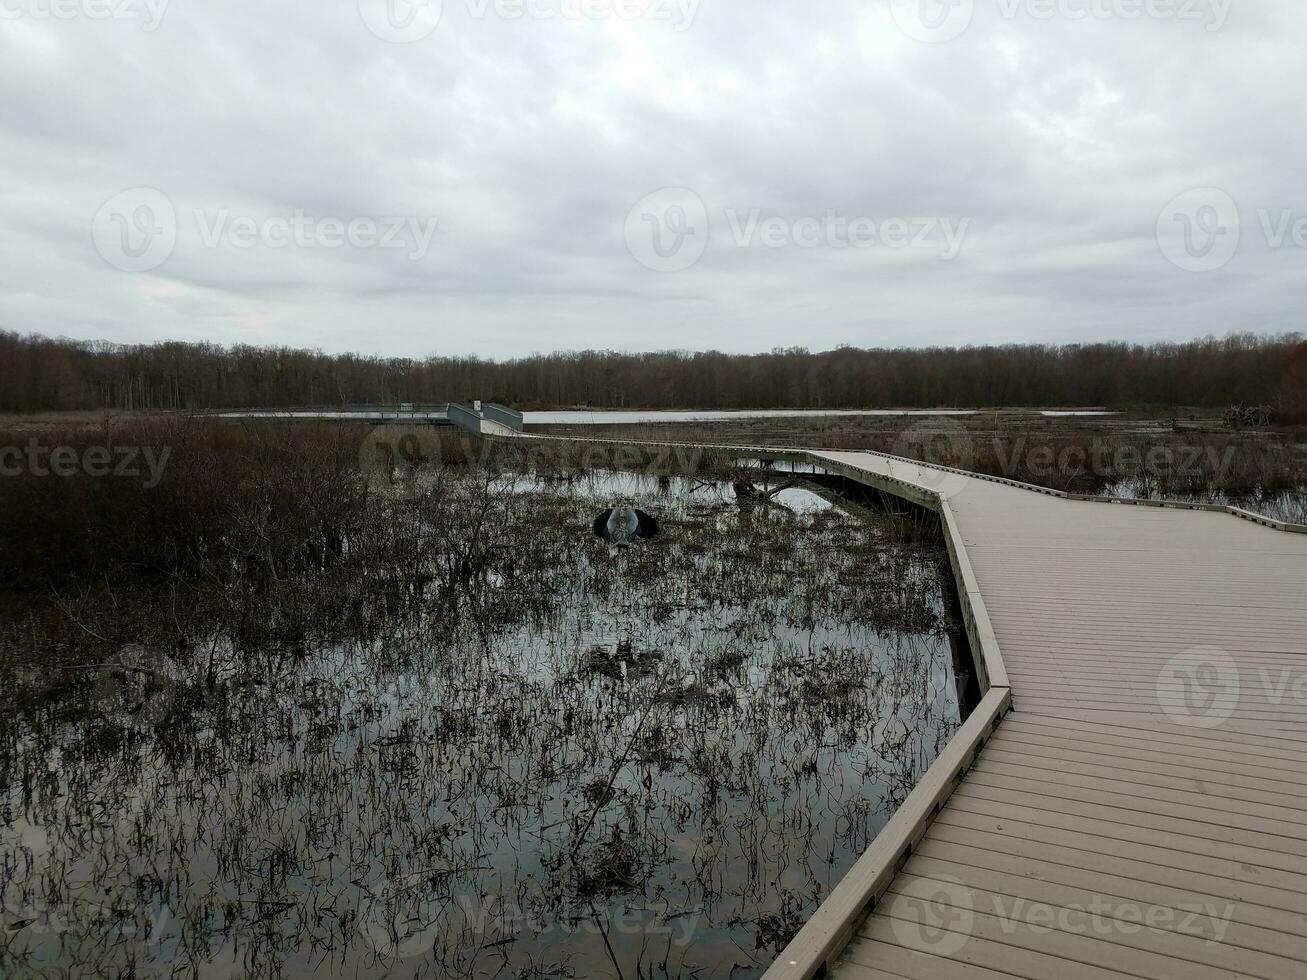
x: 336, y: 722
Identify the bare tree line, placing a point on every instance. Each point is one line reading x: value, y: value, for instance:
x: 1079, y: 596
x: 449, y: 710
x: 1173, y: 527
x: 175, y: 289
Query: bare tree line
x: 43, y: 374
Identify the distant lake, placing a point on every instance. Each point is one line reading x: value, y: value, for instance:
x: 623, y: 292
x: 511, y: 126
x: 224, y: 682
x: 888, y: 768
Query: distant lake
x: 632, y: 418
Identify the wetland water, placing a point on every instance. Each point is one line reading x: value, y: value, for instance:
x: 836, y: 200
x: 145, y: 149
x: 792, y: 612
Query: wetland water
x: 572, y: 761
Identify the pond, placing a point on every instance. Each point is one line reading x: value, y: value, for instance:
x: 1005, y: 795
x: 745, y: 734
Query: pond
x: 579, y: 761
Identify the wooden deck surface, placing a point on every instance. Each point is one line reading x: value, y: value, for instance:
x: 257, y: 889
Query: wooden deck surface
x: 1141, y: 810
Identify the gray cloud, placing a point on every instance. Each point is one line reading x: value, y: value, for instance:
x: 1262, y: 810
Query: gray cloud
x: 1059, y: 139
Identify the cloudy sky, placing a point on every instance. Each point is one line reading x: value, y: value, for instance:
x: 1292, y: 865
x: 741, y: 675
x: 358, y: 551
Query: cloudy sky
x: 507, y: 176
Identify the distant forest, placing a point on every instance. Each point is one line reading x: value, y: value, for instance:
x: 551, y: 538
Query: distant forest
x: 41, y: 374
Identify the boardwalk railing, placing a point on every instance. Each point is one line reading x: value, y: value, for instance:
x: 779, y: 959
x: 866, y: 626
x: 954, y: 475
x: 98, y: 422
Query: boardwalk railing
x: 1239, y: 512
x: 912, y: 492
x: 813, y: 952
x: 464, y: 417
x: 502, y: 415
x: 491, y: 419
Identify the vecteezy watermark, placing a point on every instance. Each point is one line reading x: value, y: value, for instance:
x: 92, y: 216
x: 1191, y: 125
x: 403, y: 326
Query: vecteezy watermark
x: 835, y: 230
x: 670, y: 230
x: 667, y: 231
x: 1202, y: 229
x: 941, y: 21
x: 137, y: 231
x: 27, y: 914
x: 405, y: 917
x: 137, y: 688
x: 946, y: 445
x: 492, y: 919
x: 401, y: 21
x: 1199, y: 688
x: 936, y: 915
x: 933, y: 915
x: 1108, y: 461
x: 1203, y: 687
x: 302, y: 230
x: 679, y: 13
x: 36, y: 459
x: 933, y: 21
x: 147, y: 13
x: 407, y: 21
x: 583, y: 455
x: 401, y: 449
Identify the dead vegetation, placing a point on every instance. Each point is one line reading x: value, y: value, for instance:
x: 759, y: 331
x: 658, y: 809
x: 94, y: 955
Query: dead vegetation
x: 425, y: 724
x: 1180, y: 455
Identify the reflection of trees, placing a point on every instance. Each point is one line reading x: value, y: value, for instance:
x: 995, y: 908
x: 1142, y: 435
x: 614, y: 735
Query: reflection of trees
x: 481, y: 793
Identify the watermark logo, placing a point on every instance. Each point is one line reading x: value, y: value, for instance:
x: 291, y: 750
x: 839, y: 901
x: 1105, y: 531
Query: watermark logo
x: 933, y: 21
x: 1199, y: 688
x: 136, y: 689
x: 407, y: 21
x: 1200, y: 230
x: 839, y: 231
x: 401, y: 920
x: 679, y: 13
x: 136, y: 230
x: 1283, y: 226
x: 21, y: 912
x: 401, y: 21
x: 401, y: 450
x: 148, y: 14
x: 1109, y: 461
x: 1211, y: 14
x: 667, y: 231
x: 945, y: 445
x: 145, y: 463
x: 670, y: 230
x: 933, y: 915
x: 940, y: 21
x: 304, y: 231
x: 1104, y: 918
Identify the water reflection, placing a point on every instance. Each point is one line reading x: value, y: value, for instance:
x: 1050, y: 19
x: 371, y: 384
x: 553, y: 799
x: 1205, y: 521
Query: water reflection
x: 1281, y: 505
x: 651, y: 765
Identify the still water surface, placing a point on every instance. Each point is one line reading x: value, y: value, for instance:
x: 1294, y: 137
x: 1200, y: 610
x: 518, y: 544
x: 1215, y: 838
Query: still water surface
x: 662, y: 772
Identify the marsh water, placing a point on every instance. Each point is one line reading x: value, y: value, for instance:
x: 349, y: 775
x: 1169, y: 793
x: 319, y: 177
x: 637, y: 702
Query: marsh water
x: 1288, y: 505
x: 646, y: 762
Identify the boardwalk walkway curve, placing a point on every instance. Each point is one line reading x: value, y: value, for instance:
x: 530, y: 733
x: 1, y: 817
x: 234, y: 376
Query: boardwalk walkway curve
x: 1129, y: 799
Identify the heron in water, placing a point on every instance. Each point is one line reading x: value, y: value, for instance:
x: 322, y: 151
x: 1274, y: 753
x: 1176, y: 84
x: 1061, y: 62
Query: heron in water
x: 621, y: 526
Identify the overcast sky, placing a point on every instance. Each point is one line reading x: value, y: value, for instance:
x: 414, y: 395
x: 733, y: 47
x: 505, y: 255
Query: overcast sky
x: 507, y: 176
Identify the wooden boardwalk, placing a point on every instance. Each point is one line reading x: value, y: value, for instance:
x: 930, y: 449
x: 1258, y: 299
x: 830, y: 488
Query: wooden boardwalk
x: 1130, y: 799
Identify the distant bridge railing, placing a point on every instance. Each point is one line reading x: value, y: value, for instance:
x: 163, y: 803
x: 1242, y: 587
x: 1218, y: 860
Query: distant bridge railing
x: 502, y: 415
x: 469, y: 419
x: 464, y: 417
